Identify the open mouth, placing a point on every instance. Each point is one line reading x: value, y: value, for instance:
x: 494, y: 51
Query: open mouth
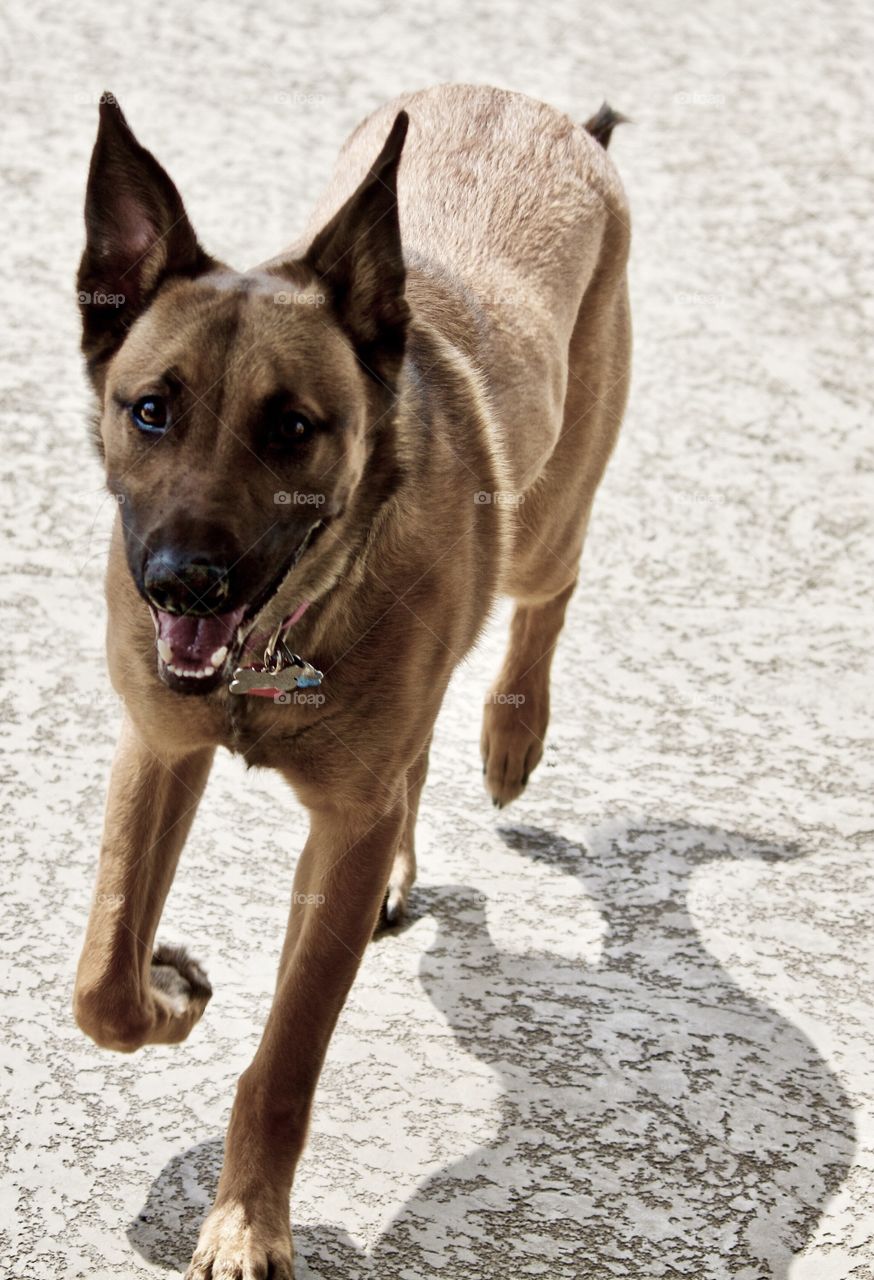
x: 193, y: 652
x: 198, y: 654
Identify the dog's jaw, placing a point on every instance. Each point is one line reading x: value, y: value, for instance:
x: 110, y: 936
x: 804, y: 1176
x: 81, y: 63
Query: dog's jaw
x: 194, y: 653
x: 198, y: 655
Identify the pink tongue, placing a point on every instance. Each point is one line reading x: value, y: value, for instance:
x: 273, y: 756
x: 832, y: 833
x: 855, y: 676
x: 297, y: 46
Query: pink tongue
x: 194, y: 640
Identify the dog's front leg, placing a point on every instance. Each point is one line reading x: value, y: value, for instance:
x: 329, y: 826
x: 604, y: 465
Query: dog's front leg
x: 127, y: 994
x: 338, y: 889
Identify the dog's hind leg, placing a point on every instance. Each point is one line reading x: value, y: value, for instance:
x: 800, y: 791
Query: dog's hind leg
x: 127, y: 993
x: 551, y: 519
x: 403, y: 872
x: 517, y: 707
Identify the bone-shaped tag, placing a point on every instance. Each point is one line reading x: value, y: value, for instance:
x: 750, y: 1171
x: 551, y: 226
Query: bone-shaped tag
x: 298, y: 675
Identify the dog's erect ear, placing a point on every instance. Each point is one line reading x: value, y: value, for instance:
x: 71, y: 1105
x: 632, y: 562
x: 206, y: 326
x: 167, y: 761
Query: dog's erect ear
x: 137, y: 235
x: 358, y: 255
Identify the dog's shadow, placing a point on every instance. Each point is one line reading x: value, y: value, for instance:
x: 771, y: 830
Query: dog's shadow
x: 656, y: 1118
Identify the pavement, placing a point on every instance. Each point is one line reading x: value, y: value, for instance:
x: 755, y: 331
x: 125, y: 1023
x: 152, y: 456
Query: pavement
x: 628, y: 1029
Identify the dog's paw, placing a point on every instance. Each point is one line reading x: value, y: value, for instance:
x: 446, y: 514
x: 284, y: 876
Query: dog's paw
x: 511, y: 746
x: 400, y: 882
x: 180, y: 984
x: 235, y: 1246
x: 391, y: 913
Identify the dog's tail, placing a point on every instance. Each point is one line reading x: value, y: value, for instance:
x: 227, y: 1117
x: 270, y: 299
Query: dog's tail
x: 603, y: 122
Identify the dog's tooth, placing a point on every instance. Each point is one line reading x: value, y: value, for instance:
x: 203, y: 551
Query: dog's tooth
x: 188, y: 674
x: 164, y: 651
x: 219, y: 656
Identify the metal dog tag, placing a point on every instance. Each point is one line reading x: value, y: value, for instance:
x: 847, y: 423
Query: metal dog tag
x: 298, y: 674
x: 306, y: 675
x: 294, y: 674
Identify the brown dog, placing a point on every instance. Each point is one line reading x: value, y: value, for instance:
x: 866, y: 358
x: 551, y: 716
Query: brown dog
x: 351, y: 449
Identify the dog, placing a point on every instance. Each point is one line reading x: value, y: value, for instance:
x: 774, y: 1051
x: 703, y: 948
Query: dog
x: 327, y: 469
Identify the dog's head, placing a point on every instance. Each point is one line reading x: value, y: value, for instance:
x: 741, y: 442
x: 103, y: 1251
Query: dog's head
x: 245, y: 419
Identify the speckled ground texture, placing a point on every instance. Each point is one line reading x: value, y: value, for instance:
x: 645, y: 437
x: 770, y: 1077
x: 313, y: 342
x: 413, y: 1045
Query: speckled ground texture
x: 628, y: 1031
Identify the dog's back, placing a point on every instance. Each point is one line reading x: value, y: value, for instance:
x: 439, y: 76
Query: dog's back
x: 506, y: 208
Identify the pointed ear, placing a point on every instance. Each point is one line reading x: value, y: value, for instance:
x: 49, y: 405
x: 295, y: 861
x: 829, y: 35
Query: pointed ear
x: 358, y: 255
x: 137, y: 235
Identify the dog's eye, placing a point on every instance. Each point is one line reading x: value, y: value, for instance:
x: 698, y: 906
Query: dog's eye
x: 289, y: 429
x: 151, y: 414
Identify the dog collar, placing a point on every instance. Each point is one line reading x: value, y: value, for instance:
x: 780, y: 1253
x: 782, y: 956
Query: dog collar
x: 281, y: 670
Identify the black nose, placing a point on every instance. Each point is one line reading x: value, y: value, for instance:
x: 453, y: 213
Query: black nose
x: 180, y: 583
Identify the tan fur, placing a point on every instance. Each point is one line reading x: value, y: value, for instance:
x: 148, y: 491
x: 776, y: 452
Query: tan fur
x: 515, y: 238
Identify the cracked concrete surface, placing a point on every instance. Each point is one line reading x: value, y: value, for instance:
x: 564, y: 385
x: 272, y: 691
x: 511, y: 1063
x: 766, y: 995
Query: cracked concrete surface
x: 627, y: 1032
